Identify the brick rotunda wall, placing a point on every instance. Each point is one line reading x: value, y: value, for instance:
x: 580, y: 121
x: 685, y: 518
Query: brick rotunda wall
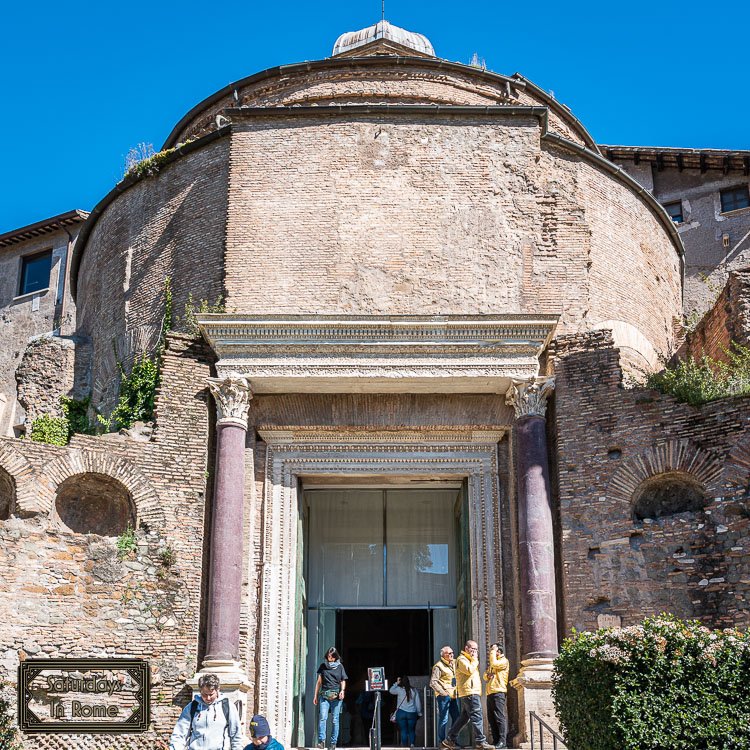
x: 419, y: 213
x: 609, y: 441
x: 66, y: 594
x: 169, y: 224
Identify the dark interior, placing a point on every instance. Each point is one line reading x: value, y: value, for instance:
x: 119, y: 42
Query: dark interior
x: 397, y: 639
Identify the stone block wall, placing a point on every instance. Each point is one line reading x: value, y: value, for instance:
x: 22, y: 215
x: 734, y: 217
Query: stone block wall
x: 71, y: 594
x: 609, y: 441
x: 24, y: 317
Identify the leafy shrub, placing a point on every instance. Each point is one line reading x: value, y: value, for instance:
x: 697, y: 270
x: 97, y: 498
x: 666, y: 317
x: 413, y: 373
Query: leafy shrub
x: 137, y: 393
x: 193, y: 308
x: 662, y: 685
x: 77, y: 413
x: 48, y: 429
x: 700, y: 381
x: 9, y: 739
x: 126, y: 543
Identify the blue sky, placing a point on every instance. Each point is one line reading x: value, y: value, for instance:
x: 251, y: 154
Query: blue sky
x: 82, y: 82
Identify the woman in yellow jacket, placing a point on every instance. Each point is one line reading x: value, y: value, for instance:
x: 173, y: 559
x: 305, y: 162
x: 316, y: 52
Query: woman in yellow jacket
x: 496, y: 677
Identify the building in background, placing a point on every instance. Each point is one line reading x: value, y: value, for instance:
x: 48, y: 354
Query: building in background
x: 393, y: 301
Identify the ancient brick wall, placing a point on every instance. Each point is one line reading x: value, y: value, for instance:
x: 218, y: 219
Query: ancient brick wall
x: 70, y: 594
x: 170, y: 224
x: 728, y: 320
x: 428, y: 214
x: 610, y: 441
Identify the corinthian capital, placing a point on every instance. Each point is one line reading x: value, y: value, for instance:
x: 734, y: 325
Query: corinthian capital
x: 529, y: 397
x: 232, y: 394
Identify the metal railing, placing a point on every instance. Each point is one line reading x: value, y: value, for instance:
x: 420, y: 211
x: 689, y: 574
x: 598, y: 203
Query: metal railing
x: 539, y: 728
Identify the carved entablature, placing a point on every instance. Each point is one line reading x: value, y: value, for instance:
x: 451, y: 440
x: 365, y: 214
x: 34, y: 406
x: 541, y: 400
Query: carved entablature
x: 232, y: 394
x: 529, y: 397
x: 379, y: 354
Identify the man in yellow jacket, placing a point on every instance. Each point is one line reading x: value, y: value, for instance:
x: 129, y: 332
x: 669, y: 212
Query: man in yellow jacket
x: 496, y: 677
x: 469, y: 688
x: 443, y: 684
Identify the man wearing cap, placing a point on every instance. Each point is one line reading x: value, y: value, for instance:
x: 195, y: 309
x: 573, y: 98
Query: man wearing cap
x: 260, y: 735
x: 209, y: 722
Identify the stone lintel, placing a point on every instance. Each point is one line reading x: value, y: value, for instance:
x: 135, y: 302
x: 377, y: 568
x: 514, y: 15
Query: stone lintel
x: 379, y: 354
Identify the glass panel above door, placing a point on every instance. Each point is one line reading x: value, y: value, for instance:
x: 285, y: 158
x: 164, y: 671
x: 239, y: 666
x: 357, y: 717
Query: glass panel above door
x: 420, y: 547
x: 346, y: 548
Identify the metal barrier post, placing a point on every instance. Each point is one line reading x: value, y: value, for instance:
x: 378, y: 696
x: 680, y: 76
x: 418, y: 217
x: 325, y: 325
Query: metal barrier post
x: 375, y: 737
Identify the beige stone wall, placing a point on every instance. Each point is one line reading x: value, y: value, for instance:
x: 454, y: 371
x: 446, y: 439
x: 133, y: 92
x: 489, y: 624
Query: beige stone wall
x: 27, y: 316
x: 171, y: 224
x: 429, y: 214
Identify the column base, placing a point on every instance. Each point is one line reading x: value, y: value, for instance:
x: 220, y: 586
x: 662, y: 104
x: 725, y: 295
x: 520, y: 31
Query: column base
x: 234, y: 683
x: 534, y: 688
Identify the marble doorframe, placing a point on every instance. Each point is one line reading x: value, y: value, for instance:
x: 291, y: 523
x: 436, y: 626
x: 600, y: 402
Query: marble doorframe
x: 411, y: 456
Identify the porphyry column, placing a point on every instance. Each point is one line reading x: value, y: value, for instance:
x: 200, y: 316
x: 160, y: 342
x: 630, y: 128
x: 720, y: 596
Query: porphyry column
x: 232, y: 395
x: 536, y: 547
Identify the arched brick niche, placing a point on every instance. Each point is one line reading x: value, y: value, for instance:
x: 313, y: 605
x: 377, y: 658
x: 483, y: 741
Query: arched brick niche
x: 667, y: 494
x: 668, y: 478
x: 7, y: 495
x: 29, y: 497
x: 95, y: 504
x: 92, y: 474
x: 737, y: 470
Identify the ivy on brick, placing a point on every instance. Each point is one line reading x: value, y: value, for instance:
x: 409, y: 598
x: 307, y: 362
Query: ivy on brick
x: 51, y: 430
x: 137, y: 393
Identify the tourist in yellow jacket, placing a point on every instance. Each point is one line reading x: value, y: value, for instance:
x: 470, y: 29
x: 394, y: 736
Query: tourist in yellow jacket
x: 443, y: 684
x: 469, y: 688
x: 496, y: 677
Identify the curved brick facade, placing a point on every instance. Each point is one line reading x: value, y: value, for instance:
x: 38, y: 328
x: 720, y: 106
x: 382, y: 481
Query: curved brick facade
x: 386, y: 209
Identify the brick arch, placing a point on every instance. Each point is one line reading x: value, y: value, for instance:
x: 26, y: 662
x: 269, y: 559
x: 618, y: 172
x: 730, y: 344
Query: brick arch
x: 76, y: 462
x: 737, y: 468
x: 674, y: 456
x: 31, y: 496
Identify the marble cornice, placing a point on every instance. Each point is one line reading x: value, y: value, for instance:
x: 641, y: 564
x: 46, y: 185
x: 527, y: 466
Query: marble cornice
x: 408, y: 354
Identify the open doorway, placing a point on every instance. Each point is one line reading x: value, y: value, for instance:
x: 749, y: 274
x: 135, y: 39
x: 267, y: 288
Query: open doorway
x: 382, y: 580
x: 397, y: 639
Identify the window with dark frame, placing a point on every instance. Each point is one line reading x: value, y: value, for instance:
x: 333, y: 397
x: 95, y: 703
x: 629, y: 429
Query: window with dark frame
x: 734, y: 198
x: 674, y: 209
x: 35, y: 272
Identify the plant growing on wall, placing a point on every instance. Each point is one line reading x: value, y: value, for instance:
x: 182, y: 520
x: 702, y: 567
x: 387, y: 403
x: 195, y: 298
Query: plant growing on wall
x: 51, y: 430
x: 193, y: 308
x: 700, y: 381
x: 137, y: 393
x: 8, y: 733
x: 666, y: 684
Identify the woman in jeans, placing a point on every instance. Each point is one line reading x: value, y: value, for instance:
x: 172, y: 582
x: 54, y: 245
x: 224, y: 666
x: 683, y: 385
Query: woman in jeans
x: 408, y: 710
x: 329, y: 694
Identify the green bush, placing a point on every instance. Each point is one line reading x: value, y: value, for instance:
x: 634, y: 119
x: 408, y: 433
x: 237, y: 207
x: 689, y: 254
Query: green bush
x: 700, y: 381
x: 137, y: 393
x: 48, y: 429
x: 9, y: 739
x: 662, y: 685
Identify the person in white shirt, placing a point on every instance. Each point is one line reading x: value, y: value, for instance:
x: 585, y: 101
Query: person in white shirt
x: 408, y: 710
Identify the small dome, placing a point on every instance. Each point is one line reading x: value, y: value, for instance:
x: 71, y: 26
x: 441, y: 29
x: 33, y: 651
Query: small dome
x: 383, y: 30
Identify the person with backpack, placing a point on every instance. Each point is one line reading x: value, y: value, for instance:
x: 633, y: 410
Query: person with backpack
x: 209, y: 722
